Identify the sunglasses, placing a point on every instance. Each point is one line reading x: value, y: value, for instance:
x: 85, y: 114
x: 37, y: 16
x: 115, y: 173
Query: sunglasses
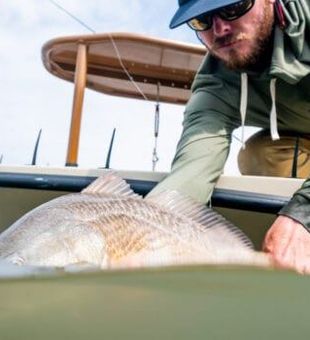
x: 232, y: 12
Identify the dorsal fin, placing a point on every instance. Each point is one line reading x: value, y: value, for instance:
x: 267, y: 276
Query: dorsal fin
x: 209, y: 219
x: 110, y: 183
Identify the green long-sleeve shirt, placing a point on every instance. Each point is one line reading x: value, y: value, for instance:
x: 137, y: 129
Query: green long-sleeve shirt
x: 213, y: 111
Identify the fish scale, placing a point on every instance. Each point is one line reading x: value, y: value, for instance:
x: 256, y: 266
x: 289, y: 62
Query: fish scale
x: 109, y: 226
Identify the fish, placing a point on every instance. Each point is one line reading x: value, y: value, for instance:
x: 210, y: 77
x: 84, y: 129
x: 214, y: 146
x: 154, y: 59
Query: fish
x: 109, y: 226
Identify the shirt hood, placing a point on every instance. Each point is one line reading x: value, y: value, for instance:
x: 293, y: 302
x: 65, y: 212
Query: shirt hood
x: 291, y: 53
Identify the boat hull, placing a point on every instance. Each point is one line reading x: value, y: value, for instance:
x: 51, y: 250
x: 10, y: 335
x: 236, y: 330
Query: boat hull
x: 202, y: 302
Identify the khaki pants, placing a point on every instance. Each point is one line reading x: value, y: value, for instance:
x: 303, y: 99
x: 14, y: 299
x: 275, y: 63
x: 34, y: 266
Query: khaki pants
x: 264, y: 157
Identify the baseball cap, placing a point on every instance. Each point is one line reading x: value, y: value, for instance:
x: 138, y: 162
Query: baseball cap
x: 189, y: 9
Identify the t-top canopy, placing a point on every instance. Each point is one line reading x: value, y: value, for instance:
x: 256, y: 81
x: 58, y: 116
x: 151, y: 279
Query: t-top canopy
x: 149, y: 61
x: 162, y: 69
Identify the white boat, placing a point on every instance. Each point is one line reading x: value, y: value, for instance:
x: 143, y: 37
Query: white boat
x: 98, y: 62
x: 196, y: 302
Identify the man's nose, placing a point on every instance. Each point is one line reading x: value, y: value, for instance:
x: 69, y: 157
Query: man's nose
x: 220, y: 26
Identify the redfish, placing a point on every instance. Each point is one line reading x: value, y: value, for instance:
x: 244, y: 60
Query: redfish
x: 107, y: 225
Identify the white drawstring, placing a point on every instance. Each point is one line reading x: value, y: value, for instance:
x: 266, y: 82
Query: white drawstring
x: 243, y: 104
x: 273, y: 113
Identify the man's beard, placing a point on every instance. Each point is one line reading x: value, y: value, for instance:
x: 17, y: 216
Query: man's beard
x: 262, y: 45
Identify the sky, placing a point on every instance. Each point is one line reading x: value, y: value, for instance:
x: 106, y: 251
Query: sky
x: 32, y: 99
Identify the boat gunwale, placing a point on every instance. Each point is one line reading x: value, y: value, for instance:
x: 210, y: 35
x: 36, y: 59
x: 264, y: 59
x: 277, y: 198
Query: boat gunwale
x: 227, y: 198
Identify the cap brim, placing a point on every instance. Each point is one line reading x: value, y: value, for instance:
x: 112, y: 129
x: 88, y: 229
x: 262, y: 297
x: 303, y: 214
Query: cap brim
x: 194, y: 8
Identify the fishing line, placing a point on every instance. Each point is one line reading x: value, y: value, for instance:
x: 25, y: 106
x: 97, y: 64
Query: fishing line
x: 124, y: 68
x: 155, y: 157
x: 72, y: 16
x: 56, y: 4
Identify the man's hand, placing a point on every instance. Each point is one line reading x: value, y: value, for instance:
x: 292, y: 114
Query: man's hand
x: 288, y: 244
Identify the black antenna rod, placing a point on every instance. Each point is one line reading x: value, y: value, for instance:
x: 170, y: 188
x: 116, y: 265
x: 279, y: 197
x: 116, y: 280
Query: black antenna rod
x: 35, y: 152
x: 107, y: 163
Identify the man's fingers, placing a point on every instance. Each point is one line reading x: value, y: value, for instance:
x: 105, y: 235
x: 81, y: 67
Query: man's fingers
x: 284, y: 257
x: 303, y: 268
x: 303, y: 259
x: 288, y: 244
x: 296, y: 258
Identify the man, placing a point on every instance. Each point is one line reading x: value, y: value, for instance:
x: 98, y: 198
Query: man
x: 258, y: 70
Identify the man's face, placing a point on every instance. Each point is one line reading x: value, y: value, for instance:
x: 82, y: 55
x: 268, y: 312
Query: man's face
x: 240, y: 43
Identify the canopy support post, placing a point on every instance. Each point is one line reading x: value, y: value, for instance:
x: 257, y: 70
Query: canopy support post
x: 79, y: 89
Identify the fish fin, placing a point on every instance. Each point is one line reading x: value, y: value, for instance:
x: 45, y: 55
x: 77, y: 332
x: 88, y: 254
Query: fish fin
x: 222, y: 230
x: 110, y: 183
